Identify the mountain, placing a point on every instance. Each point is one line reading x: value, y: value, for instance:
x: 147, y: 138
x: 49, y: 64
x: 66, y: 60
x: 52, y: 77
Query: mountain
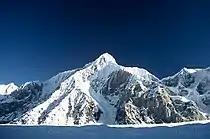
x: 105, y: 92
x: 7, y: 89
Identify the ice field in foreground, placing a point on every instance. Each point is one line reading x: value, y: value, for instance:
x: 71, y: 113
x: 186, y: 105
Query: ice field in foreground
x: 170, y: 131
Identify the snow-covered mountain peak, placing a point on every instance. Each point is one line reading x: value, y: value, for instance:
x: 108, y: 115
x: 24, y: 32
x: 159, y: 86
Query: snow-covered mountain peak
x: 105, y: 58
x: 7, y: 89
x: 105, y: 92
x: 189, y: 70
x: 99, y: 68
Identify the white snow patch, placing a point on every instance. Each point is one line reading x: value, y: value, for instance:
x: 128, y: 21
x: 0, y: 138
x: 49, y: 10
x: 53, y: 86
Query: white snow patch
x: 7, y: 89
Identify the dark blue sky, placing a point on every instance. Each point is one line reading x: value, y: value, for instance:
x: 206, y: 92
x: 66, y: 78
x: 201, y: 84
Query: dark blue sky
x: 41, y: 38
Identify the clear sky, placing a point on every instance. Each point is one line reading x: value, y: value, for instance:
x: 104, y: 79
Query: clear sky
x: 38, y: 39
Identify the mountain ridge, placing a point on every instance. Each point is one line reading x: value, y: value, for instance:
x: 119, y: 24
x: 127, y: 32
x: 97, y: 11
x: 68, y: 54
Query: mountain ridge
x: 104, y: 92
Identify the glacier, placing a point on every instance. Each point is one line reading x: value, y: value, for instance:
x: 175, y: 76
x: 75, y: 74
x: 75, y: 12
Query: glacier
x: 171, y: 131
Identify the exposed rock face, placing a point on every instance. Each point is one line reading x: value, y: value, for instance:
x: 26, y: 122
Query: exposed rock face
x: 171, y: 82
x: 84, y: 110
x: 152, y: 105
x: 158, y: 107
x: 20, y: 101
x: 105, y: 92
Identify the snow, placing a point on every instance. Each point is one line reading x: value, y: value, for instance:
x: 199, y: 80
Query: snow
x: 107, y: 57
x: 56, y: 107
x: 183, y: 99
x: 108, y: 116
x: 7, y: 89
x: 51, y: 84
x: 191, y: 70
x: 162, y: 125
x: 199, y: 75
x: 195, y: 130
x: 139, y: 72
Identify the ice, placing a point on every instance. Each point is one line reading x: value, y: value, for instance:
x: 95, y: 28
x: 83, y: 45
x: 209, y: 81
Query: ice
x: 199, y: 130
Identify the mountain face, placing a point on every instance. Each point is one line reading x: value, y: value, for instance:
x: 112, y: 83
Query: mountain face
x: 105, y: 92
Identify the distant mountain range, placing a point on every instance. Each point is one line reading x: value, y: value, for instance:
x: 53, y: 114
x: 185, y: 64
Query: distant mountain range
x: 105, y: 92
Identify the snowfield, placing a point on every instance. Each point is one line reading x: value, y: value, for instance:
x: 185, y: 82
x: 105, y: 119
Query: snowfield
x: 190, y: 130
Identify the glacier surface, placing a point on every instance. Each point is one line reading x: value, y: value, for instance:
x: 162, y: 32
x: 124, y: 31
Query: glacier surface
x: 168, y: 131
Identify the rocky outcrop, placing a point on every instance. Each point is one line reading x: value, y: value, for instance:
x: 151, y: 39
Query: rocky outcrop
x: 157, y: 107
x: 20, y: 101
